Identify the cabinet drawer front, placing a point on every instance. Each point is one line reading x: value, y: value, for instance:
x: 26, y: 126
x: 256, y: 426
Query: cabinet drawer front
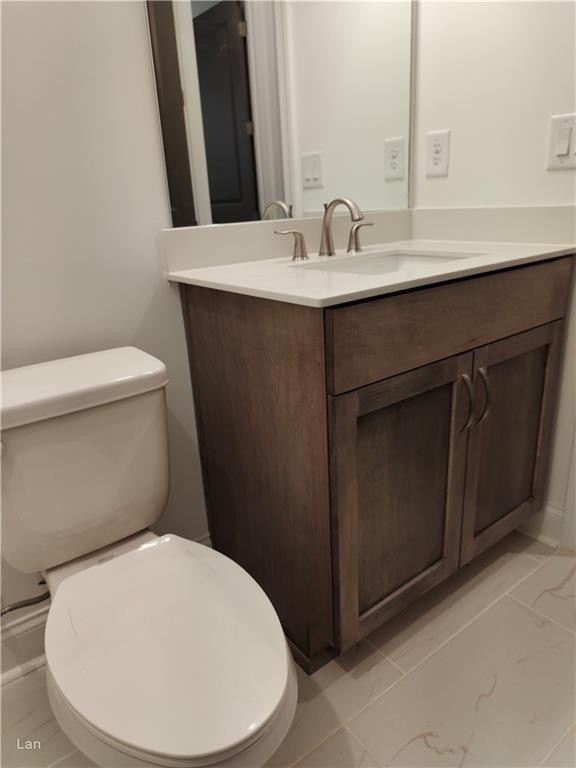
x: 376, y: 339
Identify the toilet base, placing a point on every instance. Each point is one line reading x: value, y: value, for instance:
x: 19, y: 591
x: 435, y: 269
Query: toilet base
x: 105, y: 755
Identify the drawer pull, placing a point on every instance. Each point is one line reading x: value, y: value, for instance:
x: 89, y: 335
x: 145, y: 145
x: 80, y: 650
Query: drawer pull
x: 485, y: 382
x: 470, y: 419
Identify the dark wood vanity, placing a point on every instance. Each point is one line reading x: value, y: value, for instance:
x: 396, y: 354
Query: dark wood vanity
x: 356, y: 456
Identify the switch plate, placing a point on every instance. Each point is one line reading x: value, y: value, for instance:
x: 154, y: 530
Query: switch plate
x: 394, y: 158
x: 561, y: 154
x: 313, y: 170
x: 438, y: 153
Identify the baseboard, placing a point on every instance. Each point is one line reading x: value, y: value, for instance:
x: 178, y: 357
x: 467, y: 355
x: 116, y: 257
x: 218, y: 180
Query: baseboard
x: 23, y: 669
x: 22, y: 637
x: 15, y: 626
x: 23, y: 643
x: 546, y: 526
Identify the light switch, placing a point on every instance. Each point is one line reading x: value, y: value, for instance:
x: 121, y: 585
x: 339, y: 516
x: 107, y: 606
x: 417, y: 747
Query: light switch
x: 313, y: 170
x: 561, y: 140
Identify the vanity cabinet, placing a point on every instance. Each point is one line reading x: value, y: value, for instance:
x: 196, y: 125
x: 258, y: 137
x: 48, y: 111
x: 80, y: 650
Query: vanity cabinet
x: 356, y: 456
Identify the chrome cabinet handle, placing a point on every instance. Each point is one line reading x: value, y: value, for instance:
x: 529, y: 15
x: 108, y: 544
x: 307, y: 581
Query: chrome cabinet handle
x: 470, y: 419
x: 484, y: 377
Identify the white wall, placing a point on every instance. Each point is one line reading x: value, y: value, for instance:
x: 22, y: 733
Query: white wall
x: 350, y: 65
x: 493, y: 72
x: 84, y: 201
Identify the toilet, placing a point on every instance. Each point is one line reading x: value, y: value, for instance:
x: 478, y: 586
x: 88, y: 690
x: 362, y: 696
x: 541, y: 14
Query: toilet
x: 159, y: 651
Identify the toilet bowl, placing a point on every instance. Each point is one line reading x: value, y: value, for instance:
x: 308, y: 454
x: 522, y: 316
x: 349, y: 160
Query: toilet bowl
x: 169, y: 654
x: 160, y: 651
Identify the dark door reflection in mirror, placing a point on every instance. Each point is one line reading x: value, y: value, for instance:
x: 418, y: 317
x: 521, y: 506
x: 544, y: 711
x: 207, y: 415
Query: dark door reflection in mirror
x: 297, y: 102
x: 226, y: 110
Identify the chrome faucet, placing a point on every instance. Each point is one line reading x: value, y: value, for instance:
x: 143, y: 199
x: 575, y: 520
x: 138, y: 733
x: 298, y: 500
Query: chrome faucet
x: 327, y: 239
x: 300, y: 253
x: 284, y: 207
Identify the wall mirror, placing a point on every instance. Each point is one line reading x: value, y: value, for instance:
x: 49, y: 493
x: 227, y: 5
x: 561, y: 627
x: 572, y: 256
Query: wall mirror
x: 291, y: 101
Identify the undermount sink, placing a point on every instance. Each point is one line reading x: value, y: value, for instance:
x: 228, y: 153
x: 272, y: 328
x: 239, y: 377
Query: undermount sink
x: 382, y: 262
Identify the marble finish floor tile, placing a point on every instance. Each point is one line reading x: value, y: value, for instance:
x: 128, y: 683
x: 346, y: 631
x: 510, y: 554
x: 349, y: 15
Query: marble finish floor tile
x: 500, y: 693
x: 551, y: 590
x: 496, y: 689
x: 434, y: 618
x: 27, y: 717
x: 536, y: 549
x: 564, y: 754
x: 331, y: 696
x: 340, y: 751
x: 75, y: 760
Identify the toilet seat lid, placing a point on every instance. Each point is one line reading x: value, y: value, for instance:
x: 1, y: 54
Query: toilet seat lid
x: 171, y: 650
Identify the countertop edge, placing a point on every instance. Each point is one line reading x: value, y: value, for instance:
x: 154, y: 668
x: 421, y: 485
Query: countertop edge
x: 185, y: 277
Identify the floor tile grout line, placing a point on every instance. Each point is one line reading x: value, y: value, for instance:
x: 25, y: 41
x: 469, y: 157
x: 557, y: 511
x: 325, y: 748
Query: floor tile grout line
x: 378, y: 650
x: 527, y: 576
x: 448, y: 640
x: 470, y: 621
x: 532, y: 557
x: 61, y: 759
x: 542, y: 615
x: 364, y: 747
x: 341, y: 727
x: 557, y: 743
x: 316, y: 746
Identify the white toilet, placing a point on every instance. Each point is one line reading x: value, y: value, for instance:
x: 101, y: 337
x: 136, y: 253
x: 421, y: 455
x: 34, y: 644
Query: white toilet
x: 160, y: 651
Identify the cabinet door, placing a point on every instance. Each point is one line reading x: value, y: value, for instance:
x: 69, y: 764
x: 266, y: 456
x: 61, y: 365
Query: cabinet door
x: 398, y: 456
x: 515, y: 382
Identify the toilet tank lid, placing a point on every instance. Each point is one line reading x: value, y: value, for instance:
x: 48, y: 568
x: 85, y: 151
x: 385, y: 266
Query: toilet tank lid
x: 45, y: 390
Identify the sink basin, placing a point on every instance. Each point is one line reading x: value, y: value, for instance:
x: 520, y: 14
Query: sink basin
x: 387, y: 261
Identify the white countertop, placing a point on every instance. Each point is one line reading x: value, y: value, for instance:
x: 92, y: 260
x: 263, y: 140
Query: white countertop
x: 302, y: 283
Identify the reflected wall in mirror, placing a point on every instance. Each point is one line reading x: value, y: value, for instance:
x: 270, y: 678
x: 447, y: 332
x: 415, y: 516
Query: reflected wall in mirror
x: 297, y: 102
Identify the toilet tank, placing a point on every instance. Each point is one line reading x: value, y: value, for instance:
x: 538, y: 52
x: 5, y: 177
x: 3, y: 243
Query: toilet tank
x: 84, y: 454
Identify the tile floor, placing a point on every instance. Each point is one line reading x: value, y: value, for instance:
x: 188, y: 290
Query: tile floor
x: 480, y: 672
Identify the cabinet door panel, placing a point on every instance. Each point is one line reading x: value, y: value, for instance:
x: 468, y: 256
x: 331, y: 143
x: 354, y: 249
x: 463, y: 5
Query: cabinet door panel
x: 508, y: 450
x: 398, y: 453
x: 402, y: 488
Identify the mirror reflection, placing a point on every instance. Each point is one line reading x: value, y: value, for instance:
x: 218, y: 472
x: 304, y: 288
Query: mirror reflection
x: 287, y: 105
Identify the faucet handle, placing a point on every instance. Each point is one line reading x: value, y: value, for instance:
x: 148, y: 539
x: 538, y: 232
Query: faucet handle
x: 300, y: 251
x: 354, y: 239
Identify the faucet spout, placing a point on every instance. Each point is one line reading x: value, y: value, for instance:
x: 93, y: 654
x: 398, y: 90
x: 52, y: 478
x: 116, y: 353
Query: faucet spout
x: 284, y: 207
x: 327, y: 238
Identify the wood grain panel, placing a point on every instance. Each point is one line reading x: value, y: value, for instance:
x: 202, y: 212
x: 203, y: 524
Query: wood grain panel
x: 259, y: 382
x: 402, y: 476
x: 398, y: 456
x: 509, y: 449
x: 506, y: 468
x: 372, y: 340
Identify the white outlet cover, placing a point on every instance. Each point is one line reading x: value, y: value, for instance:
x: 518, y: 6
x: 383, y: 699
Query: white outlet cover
x: 394, y: 163
x: 561, y: 126
x: 313, y: 170
x: 438, y: 153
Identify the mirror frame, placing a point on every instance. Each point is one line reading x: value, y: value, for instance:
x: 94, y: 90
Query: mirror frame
x: 171, y: 110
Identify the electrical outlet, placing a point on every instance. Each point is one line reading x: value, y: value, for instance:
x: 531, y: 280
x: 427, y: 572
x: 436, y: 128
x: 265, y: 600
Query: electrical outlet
x: 394, y: 158
x: 313, y: 170
x: 438, y: 153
